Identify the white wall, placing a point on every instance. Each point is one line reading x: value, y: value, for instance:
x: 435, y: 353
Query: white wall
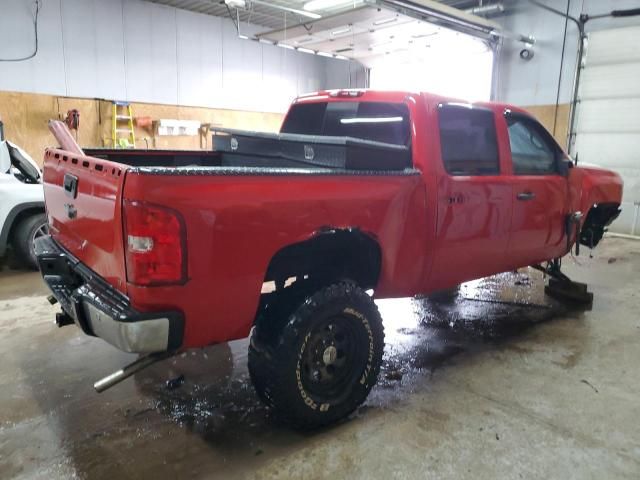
x: 140, y: 51
x: 535, y: 82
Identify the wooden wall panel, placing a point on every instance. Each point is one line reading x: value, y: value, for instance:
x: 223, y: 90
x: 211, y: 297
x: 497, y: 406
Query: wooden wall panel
x: 546, y: 114
x: 25, y: 117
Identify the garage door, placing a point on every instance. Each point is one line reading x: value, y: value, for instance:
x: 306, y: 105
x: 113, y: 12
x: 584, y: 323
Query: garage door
x: 608, y: 115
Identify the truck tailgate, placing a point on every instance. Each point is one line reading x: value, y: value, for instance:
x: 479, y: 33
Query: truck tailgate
x: 83, y: 196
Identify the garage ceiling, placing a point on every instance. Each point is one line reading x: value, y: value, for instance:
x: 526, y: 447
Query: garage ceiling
x: 275, y: 15
x: 363, y: 30
x: 367, y: 34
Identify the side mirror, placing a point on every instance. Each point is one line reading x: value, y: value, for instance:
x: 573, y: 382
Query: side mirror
x: 565, y: 164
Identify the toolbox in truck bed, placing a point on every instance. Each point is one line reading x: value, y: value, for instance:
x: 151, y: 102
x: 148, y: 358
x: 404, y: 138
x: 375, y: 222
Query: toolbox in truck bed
x: 246, y: 148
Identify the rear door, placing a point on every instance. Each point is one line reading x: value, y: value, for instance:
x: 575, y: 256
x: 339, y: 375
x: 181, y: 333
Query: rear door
x: 83, y: 201
x: 540, y: 196
x: 474, y: 198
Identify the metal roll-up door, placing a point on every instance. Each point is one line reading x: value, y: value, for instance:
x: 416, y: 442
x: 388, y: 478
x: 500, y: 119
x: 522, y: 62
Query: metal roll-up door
x: 608, y: 114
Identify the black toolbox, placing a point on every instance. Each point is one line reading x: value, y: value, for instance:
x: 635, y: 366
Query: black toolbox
x: 246, y: 148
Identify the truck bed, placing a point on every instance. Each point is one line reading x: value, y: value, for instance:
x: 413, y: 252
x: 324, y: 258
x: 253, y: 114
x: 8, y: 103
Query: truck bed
x: 238, y: 148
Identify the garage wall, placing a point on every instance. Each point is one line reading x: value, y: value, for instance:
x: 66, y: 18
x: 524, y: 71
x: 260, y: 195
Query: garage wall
x: 606, y: 118
x: 140, y: 51
x: 26, y: 115
x: 535, y: 82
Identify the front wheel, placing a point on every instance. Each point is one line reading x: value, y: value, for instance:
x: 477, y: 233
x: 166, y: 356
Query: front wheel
x: 323, y: 359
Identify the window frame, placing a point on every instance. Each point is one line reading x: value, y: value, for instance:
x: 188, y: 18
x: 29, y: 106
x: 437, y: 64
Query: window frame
x: 466, y: 106
x: 558, y: 153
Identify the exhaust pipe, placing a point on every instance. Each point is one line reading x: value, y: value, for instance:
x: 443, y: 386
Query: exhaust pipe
x: 128, y: 370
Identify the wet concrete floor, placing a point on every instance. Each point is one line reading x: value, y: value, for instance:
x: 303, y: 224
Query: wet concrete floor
x: 496, y: 382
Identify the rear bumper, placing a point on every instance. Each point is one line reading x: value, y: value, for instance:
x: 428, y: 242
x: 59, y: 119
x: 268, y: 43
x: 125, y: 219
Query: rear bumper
x: 102, y: 311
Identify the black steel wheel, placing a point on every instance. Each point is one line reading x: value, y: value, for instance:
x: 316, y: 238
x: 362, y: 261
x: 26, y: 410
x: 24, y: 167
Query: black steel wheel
x: 315, y: 359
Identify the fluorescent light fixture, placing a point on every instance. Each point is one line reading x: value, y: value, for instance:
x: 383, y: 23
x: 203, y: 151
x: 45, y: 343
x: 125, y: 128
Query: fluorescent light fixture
x: 341, y: 31
x: 325, y: 54
x: 315, y: 16
x: 235, y: 3
x: 341, y: 57
x: 284, y: 45
x: 265, y: 41
x: 384, y: 21
x: 314, y: 5
x: 305, y: 50
x: 243, y: 37
x: 304, y: 40
x: 423, y: 35
x: 347, y: 121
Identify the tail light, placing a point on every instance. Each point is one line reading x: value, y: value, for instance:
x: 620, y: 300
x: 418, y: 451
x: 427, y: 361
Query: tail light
x: 155, y: 241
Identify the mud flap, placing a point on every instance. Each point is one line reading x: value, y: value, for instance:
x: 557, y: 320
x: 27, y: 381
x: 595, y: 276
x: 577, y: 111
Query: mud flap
x: 569, y: 291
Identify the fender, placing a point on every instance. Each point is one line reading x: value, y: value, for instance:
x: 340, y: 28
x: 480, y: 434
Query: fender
x: 591, y: 185
x: 14, y: 213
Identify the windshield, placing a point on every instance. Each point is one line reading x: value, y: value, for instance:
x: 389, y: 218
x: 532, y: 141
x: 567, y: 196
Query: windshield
x: 377, y: 121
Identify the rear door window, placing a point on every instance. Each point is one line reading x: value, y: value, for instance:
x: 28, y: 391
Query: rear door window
x: 468, y: 140
x: 376, y: 121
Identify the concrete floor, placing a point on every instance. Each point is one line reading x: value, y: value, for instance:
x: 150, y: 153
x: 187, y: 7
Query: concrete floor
x: 478, y: 387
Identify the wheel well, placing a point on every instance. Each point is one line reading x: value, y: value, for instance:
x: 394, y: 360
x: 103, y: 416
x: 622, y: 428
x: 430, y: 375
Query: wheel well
x: 23, y: 214
x: 330, y: 255
x: 599, y: 217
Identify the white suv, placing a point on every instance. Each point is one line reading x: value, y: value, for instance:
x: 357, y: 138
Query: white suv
x: 22, y: 212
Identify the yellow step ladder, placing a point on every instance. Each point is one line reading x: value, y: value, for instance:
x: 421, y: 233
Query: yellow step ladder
x: 122, y: 137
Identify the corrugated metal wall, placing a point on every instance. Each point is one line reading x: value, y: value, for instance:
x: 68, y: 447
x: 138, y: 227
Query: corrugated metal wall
x: 140, y: 51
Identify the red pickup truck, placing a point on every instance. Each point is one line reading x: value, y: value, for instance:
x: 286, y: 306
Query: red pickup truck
x: 392, y: 192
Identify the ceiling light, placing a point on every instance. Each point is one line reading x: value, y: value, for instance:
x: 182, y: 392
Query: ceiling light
x: 384, y: 21
x: 424, y: 35
x: 235, y: 3
x: 284, y: 45
x: 325, y: 54
x: 315, y: 16
x: 315, y: 5
x: 305, y: 50
x: 304, y: 40
x: 341, y: 31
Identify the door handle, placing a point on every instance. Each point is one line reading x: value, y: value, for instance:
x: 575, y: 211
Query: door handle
x: 524, y: 196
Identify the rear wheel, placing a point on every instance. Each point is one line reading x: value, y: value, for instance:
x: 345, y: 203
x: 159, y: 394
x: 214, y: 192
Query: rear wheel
x: 24, y: 236
x: 317, y: 361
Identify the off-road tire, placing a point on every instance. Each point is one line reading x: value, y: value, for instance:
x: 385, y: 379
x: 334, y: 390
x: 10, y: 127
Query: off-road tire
x: 22, y: 239
x: 278, y: 355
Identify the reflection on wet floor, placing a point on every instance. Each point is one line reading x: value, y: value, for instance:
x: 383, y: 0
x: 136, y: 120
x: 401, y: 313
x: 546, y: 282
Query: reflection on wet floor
x: 217, y: 401
x: 207, y: 392
x: 571, y: 384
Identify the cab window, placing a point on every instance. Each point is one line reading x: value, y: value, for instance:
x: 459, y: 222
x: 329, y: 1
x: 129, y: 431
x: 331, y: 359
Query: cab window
x: 468, y: 140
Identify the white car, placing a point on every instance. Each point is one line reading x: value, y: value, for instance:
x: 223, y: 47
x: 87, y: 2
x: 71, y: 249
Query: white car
x: 22, y: 212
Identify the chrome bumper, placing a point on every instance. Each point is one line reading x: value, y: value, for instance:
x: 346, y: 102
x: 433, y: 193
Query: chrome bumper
x: 102, y: 311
